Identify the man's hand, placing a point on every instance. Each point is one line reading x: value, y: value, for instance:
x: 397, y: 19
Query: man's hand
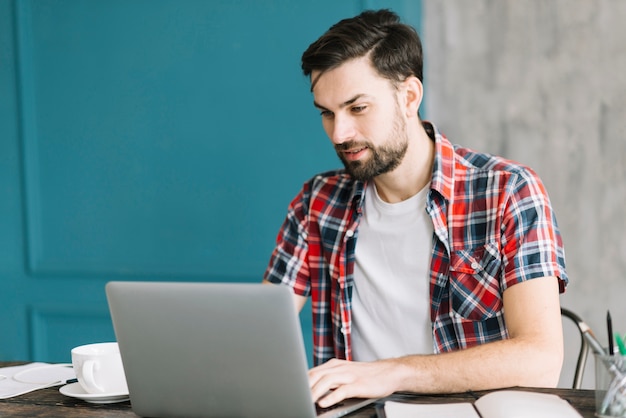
x: 337, y: 380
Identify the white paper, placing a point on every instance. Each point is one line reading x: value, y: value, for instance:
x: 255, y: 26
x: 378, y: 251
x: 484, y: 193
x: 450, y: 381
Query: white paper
x: 441, y: 410
x: 17, y: 380
x: 498, y: 404
x: 523, y: 404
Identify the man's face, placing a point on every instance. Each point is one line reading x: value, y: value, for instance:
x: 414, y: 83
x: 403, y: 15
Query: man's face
x: 362, y: 117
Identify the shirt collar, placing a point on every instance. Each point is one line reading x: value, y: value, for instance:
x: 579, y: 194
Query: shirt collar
x: 443, y: 166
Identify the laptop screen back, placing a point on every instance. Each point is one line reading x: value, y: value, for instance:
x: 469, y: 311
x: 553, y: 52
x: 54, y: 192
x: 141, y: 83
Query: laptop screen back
x: 210, y: 349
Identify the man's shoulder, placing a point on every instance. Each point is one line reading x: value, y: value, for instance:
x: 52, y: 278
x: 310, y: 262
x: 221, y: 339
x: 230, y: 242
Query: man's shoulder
x: 498, y: 172
x: 456, y: 162
x: 489, y: 162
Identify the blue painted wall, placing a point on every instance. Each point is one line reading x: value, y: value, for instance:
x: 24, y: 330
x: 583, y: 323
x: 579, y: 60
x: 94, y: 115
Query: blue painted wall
x: 144, y: 140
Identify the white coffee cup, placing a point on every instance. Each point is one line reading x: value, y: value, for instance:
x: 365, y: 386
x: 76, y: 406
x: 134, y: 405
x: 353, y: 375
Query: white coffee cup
x: 99, y: 368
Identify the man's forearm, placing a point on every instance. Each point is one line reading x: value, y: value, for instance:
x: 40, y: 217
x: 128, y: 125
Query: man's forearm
x: 513, y: 362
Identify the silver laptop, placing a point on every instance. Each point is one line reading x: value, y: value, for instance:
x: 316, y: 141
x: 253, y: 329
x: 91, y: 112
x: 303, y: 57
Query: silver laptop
x: 213, y: 350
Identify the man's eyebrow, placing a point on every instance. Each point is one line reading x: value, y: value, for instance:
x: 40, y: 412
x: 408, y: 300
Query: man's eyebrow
x: 344, y: 104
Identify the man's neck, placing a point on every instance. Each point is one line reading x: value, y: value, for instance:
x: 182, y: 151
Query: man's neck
x: 412, y: 174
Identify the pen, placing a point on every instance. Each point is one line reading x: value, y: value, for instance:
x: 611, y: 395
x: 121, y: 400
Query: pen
x: 609, y: 327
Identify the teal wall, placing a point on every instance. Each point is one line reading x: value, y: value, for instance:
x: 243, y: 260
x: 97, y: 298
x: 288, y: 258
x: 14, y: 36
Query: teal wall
x: 147, y: 140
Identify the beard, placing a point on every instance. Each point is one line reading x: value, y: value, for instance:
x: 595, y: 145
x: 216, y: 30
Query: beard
x: 384, y: 158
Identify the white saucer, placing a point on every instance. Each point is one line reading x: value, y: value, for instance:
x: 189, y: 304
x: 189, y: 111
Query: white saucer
x: 75, y: 390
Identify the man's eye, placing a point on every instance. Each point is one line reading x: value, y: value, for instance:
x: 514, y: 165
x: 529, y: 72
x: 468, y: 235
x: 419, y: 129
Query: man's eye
x: 326, y: 114
x: 358, y: 109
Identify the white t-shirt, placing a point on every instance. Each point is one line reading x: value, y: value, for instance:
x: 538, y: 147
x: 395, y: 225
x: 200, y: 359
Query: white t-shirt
x: 391, y: 293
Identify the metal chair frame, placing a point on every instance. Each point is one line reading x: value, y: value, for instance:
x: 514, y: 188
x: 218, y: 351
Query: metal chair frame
x: 585, y: 333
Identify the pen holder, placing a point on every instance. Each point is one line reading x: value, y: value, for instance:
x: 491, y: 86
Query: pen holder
x: 610, y: 386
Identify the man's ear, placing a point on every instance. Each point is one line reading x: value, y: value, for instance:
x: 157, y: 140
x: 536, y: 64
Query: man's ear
x: 413, y: 95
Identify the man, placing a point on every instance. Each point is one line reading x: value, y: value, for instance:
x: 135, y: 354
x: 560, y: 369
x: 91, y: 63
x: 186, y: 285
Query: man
x: 431, y: 267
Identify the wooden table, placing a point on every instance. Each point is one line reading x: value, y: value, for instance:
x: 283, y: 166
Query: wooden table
x: 51, y: 403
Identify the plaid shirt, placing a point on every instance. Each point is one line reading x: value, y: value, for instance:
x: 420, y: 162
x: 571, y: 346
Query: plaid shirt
x: 493, y: 227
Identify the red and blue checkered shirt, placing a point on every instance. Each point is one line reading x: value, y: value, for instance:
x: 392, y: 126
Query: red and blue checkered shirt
x: 493, y: 227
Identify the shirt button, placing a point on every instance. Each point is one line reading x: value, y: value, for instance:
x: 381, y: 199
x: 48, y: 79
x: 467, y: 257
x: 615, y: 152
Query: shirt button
x: 475, y: 265
x: 349, y: 233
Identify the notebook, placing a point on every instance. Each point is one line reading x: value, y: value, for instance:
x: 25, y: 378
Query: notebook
x: 213, y: 350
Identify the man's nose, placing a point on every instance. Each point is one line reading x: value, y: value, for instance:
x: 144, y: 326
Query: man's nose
x: 342, y: 130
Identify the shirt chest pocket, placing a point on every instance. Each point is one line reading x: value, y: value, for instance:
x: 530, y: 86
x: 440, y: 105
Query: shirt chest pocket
x: 475, y: 292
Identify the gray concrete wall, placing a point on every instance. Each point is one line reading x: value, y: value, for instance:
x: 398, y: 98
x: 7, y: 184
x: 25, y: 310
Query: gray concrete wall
x: 543, y: 82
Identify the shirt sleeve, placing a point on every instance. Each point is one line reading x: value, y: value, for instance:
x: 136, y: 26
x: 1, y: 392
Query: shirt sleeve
x: 288, y: 264
x: 532, y: 246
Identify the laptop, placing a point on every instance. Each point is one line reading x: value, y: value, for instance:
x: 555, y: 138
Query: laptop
x: 213, y: 350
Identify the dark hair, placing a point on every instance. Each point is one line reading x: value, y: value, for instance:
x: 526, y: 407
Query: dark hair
x: 395, y: 48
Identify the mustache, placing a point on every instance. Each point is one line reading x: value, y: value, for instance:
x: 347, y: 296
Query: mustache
x: 351, y: 145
